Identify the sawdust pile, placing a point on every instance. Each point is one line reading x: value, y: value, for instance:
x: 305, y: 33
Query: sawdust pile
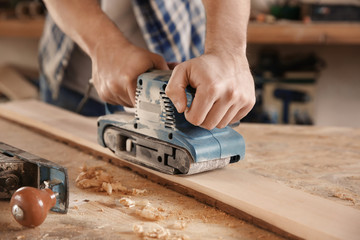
x: 144, y: 209
x: 344, y: 196
x: 151, y: 231
x: 150, y: 213
x: 179, y: 225
x: 98, y: 179
x: 148, y: 231
x: 127, y: 202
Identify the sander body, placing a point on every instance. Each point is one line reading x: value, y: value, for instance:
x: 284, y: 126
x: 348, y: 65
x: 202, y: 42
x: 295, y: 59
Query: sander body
x: 162, y: 139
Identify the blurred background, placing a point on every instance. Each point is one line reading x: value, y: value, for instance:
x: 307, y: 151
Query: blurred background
x: 304, y: 55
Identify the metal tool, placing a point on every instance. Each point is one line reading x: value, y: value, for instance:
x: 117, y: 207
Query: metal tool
x: 160, y: 138
x: 34, y: 185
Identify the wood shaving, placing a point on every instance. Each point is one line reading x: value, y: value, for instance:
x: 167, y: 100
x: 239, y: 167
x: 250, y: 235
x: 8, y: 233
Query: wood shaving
x: 136, y: 191
x: 143, y: 203
x: 179, y: 237
x: 118, y: 187
x: 161, y: 209
x: 127, y: 202
x: 80, y: 177
x: 151, y: 231
x: 232, y: 225
x: 96, y: 172
x: 150, y: 213
x: 107, y: 187
x: 344, y: 196
x: 88, y: 183
x: 179, y: 225
x: 97, y: 178
x: 45, y: 236
x: 205, y: 219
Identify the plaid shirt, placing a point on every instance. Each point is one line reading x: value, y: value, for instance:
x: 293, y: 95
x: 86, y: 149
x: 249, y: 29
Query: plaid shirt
x: 174, y: 29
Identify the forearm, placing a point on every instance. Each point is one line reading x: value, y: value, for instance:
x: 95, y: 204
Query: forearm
x: 226, y: 25
x: 84, y: 22
x: 222, y: 78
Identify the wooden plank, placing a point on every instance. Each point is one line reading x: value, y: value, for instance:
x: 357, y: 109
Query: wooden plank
x: 259, y: 200
x: 259, y: 33
x: 25, y: 28
x: 300, y: 33
x: 14, y: 86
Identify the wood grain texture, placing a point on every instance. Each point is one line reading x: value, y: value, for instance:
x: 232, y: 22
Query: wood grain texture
x: 269, y: 204
x: 324, y: 161
x: 14, y: 86
x: 97, y: 215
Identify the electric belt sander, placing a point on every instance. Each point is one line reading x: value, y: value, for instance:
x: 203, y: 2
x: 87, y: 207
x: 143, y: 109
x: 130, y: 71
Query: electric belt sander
x: 160, y: 138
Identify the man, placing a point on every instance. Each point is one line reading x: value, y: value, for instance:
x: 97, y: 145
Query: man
x: 219, y: 72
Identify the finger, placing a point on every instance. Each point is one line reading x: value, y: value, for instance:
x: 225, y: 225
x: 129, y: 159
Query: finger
x: 103, y: 91
x: 106, y: 96
x: 200, y: 107
x: 123, y: 99
x: 131, y: 92
x: 250, y: 103
x: 228, y: 117
x: 175, y: 89
x: 159, y: 62
x: 122, y: 89
x: 217, y: 113
x: 128, y: 82
x: 172, y: 65
x: 116, y: 95
x: 240, y: 114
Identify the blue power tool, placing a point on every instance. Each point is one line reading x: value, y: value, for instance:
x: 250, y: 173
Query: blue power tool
x: 160, y: 138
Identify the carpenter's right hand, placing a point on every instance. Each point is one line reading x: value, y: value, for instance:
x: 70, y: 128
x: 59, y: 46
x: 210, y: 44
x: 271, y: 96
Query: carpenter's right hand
x: 115, y: 68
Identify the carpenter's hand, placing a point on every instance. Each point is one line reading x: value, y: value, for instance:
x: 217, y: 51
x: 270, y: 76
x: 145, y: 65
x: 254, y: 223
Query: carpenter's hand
x: 225, y: 90
x: 115, y: 68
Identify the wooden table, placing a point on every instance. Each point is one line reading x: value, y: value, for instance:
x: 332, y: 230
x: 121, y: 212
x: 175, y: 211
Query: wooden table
x: 297, y: 181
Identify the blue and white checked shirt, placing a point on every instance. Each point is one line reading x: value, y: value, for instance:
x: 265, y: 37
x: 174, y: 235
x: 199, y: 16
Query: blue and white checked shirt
x: 174, y: 29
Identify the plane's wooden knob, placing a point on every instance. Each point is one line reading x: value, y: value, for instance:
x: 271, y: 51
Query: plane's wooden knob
x: 30, y: 206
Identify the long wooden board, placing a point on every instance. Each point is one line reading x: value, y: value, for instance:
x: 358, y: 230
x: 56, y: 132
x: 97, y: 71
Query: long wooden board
x: 14, y: 86
x: 266, y: 203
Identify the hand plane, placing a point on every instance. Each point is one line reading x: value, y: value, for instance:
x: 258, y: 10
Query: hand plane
x: 160, y: 138
x: 35, y: 185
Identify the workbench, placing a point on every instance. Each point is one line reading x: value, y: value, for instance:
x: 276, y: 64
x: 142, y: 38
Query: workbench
x: 95, y: 215
x: 311, y: 167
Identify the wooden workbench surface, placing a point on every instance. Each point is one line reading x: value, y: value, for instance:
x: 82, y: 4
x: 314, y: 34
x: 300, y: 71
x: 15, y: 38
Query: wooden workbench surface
x: 323, y: 161
x: 94, y: 215
x: 270, y: 187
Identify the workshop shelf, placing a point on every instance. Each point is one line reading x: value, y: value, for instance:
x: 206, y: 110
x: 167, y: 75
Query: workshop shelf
x: 22, y: 28
x: 304, y: 33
